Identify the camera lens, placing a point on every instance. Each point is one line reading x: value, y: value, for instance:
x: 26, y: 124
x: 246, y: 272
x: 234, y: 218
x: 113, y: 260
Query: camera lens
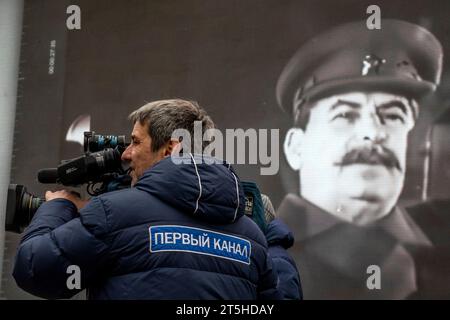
x: 98, y: 142
x: 21, y: 207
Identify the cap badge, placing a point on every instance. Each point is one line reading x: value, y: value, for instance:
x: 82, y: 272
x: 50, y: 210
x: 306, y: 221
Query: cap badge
x: 371, y: 65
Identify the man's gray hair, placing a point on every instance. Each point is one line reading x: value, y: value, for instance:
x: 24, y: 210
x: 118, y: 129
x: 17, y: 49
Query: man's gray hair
x: 163, y: 117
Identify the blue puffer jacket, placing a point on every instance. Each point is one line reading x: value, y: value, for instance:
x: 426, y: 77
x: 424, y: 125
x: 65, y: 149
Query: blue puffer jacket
x: 280, y: 238
x: 179, y: 233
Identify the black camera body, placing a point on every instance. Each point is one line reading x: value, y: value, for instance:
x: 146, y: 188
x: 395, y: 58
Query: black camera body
x: 101, y: 163
x: 102, y: 156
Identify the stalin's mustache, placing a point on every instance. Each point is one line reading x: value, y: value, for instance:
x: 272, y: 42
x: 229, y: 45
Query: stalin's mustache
x: 374, y: 155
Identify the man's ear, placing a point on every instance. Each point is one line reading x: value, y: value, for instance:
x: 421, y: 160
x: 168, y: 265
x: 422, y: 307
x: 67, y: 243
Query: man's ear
x: 292, y: 147
x: 173, y: 147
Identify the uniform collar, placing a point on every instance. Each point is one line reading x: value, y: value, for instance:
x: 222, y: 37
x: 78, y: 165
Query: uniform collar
x: 307, y: 220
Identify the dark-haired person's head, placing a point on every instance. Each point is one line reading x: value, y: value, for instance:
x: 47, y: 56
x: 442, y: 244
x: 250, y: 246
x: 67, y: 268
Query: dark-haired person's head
x: 154, y: 123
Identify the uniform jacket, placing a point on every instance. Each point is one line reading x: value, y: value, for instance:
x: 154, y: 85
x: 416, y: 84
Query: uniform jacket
x: 179, y: 233
x: 335, y: 257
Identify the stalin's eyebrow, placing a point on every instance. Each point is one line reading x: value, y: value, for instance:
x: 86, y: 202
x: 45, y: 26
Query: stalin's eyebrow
x: 340, y: 103
x: 397, y: 104
x: 393, y: 104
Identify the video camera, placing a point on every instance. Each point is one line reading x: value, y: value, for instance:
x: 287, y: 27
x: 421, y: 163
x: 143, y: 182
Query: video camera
x: 100, y: 164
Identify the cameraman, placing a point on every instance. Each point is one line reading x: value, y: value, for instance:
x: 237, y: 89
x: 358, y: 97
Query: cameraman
x: 177, y: 233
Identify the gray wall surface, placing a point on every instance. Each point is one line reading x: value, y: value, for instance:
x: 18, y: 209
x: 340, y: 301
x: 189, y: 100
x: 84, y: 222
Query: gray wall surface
x: 10, y: 35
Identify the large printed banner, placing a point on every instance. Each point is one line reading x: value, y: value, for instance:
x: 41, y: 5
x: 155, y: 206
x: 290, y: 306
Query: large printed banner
x: 338, y: 110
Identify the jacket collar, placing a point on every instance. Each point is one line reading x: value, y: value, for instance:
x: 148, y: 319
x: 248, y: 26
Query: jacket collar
x: 307, y: 220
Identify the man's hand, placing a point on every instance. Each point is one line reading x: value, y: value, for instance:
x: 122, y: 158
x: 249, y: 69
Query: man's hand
x: 68, y: 195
